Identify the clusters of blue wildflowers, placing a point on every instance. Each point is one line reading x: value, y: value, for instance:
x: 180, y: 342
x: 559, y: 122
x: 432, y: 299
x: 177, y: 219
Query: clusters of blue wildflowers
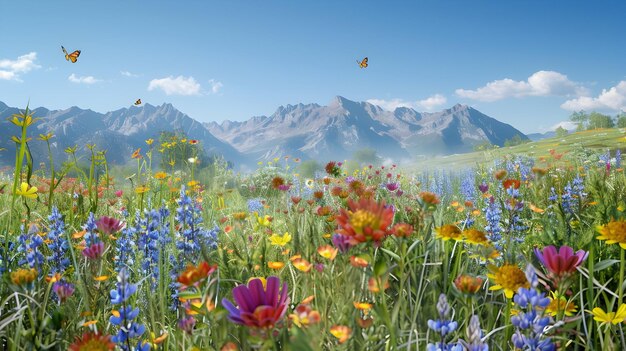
x: 29, y: 246
x: 573, y: 194
x: 474, y: 340
x: 255, y: 205
x: 153, y: 240
x: 125, y: 247
x: 443, y: 326
x: 493, y: 214
x: 124, y: 318
x: 57, y: 245
x: 468, y: 186
x: 530, y: 321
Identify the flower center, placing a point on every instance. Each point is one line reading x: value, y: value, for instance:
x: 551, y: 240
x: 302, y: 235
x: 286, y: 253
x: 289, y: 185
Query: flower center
x: 362, y: 219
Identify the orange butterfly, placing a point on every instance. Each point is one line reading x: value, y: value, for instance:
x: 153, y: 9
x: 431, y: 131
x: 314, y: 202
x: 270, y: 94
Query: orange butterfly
x: 71, y: 57
x: 138, y: 102
x: 362, y: 64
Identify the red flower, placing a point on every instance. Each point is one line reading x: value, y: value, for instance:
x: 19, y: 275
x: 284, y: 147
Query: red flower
x: 192, y: 274
x: 108, y: 225
x: 366, y: 220
x: 511, y: 183
x: 562, y: 264
x: 258, y: 306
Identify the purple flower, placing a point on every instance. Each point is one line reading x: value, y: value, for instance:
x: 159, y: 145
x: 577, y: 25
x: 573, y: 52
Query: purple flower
x: 63, y: 290
x: 392, y: 186
x: 187, y: 324
x: 483, y: 187
x: 341, y: 242
x: 258, y: 306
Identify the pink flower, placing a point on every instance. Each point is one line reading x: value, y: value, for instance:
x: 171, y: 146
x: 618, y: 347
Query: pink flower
x: 119, y: 193
x: 258, y: 306
x: 94, y: 251
x: 108, y: 225
x: 562, y: 264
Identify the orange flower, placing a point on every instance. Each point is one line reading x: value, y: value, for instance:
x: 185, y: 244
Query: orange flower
x: 429, y: 198
x: 402, y: 230
x: 468, y: 284
x: 363, y: 306
x: 275, y: 265
x: 499, y: 175
x: 613, y: 232
x: 137, y: 154
x: 327, y: 252
x: 192, y: 274
x: 511, y: 183
x: 92, y: 341
x: 374, y: 284
x: 228, y: 229
x: 229, y: 346
x: 302, y: 264
x: 358, y: 262
x: 341, y: 332
x: 366, y: 220
x: 475, y: 236
x: 160, y: 175
x: 23, y: 276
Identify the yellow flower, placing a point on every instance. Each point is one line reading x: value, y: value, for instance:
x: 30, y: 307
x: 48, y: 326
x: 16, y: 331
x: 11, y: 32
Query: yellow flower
x: 141, y: 189
x: 280, y: 240
x: 22, y: 119
x: 613, y: 232
x: 26, y: 191
x: 341, y: 332
x: 475, y: 236
x: 160, y: 175
x: 45, y: 137
x: 363, y: 306
x: 149, y: 141
x: 264, y: 221
x: 327, y: 252
x: 509, y: 278
x: 449, y: 231
x: 611, y: 317
x: 560, y: 304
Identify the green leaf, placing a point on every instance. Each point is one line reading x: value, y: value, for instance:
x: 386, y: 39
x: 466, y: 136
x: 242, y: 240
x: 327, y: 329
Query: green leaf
x: 604, y: 264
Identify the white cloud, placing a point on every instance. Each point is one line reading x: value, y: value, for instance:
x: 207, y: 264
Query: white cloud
x: 10, y: 69
x: 176, y: 86
x: 82, y: 80
x: 215, y: 86
x: 541, y: 83
x: 611, y: 100
x: 128, y: 74
x: 567, y: 125
x: 427, y: 104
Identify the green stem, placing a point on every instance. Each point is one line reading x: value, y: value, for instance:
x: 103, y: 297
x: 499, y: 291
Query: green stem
x: 621, y: 276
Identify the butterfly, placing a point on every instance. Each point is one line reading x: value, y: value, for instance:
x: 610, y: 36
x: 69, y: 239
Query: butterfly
x: 138, y: 102
x: 71, y: 57
x: 362, y: 64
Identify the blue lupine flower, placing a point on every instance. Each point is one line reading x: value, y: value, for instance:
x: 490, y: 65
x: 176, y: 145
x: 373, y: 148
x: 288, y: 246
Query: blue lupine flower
x: 124, y: 318
x: 58, y: 244
x: 618, y: 158
x: 29, y: 246
x: 91, y: 236
x: 492, y: 215
x: 530, y: 321
x: 474, y: 336
x: 125, y: 247
x: 255, y: 205
x: 468, y: 186
x: 443, y: 326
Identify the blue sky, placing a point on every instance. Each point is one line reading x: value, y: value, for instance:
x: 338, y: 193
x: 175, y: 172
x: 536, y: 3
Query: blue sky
x: 527, y: 63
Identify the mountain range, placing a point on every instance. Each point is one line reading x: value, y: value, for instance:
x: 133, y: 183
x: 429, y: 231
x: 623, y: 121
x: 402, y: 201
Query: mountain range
x: 308, y: 131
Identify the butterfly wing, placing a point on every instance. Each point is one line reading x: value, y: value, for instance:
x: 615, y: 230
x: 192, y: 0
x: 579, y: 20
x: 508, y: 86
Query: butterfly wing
x: 364, y: 63
x: 74, y: 56
x: 67, y: 57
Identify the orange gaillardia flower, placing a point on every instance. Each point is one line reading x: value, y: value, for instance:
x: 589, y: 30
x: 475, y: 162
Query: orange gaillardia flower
x: 613, y: 232
x: 429, y: 198
x: 468, y: 284
x: 358, y: 262
x: 275, y: 265
x: 137, y: 154
x: 23, y: 276
x: 92, y: 341
x: 341, y: 332
x: 302, y: 264
x: 192, y: 274
x: 365, y: 220
x: 508, y: 278
x: 449, y: 231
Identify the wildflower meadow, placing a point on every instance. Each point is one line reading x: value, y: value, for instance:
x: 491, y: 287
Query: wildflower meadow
x: 179, y: 252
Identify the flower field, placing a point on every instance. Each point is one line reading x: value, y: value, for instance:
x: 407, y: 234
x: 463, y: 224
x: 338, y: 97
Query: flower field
x: 525, y: 254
